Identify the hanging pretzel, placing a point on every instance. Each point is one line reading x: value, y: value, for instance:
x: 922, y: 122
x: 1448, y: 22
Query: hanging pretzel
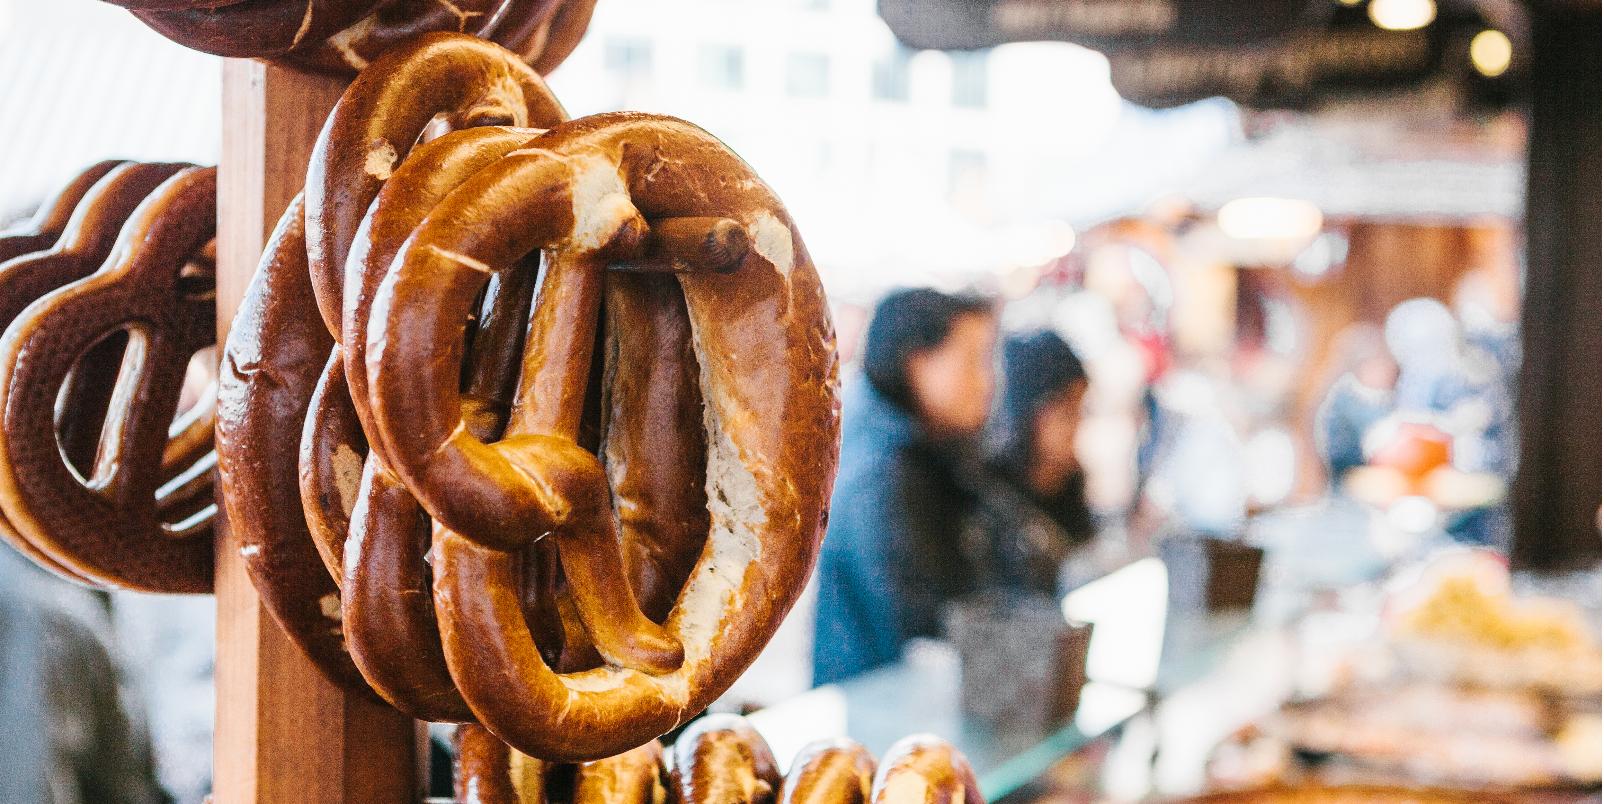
x: 343, y: 37
x: 488, y: 772
x: 40, y: 231
x: 765, y: 347
x: 123, y: 526
x: 271, y: 363
x: 834, y: 771
x: 81, y: 225
x: 633, y: 777
x: 925, y: 769
x: 455, y: 78
x: 251, y: 28
x: 721, y: 759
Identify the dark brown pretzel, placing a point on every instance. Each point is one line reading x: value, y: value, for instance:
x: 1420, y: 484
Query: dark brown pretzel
x: 271, y: 363
x: 765, y: 346
x: 925, y: 769
x: 253, y: 28
x: 81, y: 238
x: 115, y: 528
x: 835, y: 771
x: 510, y: 23
x: 721, y: 759
x: 40, y: 231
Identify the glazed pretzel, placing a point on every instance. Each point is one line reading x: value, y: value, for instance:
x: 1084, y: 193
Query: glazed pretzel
x: 488, y: 772
x: 251, y: 28
x: 130, y: 524
x: 924, y: 769
x: 721, y: 759
x: 77, y: 230
x: 767, y: 370
x: 344, y: 36
x: 834, y: 771
x: 279, y: 348
x: 633, y: 777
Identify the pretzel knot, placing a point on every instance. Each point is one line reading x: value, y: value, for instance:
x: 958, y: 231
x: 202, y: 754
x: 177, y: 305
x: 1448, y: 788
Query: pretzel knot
x: 117, y: 492
x: 616, y: 189
x: 293, y: 501
x: 343, y: 36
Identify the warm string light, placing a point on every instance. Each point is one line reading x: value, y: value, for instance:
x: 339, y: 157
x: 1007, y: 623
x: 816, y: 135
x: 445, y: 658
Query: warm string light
x: 1490, y: 53
x: 1402, y: 15
x: 1269, y: 218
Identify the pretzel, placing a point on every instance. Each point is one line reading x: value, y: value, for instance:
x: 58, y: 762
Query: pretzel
x: 251, y: 28
x: 633, y: 777
x: 488, y: 772
x: 721, y: 759
x: 40, y: 232
x: 123, y: 527
x: 925, y: 769
x: 767, y: 370
x: 834, y: 771
x: 297, y: 564
x: 274, y: 356
x: 514, y: 24
x: 462, y: 81
x: 343, y: 37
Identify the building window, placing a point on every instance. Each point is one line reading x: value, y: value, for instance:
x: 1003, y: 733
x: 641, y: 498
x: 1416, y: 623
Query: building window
x: 807, y: 75
x: 969, y: 79
x: 720, y: 67
x: 890, y: 80
x: 629, y: 56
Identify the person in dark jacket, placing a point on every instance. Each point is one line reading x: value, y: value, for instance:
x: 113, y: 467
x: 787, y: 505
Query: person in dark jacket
x: 891, y: 554
x: 1034, y: 509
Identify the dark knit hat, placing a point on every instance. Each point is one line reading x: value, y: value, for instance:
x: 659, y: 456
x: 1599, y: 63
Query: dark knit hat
x: 1036, y: 366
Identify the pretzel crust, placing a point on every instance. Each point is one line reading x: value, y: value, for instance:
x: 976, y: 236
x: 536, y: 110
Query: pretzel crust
x: 833, y: 771
x: 111, y: 529
x: 767, y: 370
x: 924, y: 769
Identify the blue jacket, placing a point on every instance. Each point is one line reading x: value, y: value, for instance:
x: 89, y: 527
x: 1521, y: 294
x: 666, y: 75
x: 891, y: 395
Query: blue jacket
x: 891, y: 553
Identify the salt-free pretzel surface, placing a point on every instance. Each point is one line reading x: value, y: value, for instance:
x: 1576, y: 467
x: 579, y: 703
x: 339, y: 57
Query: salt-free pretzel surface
x: 633, y: 777
x: 113, y: 526
x: 275, y: 354
x: 82, y: 239
x: 489, y: 772
x: 586, y: 191
x: 41, y: 230
x: 925, y: 769
x: 457, y: 80
x: 518, y: 25
x: 252, y: 28
x: 832, y: 771
x: 721, y: 759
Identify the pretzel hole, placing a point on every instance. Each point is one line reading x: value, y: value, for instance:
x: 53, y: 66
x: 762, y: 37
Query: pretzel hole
x: 197, y: 280
x: 82, y: 402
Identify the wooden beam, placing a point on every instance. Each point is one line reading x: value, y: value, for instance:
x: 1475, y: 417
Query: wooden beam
x: 285, y: 734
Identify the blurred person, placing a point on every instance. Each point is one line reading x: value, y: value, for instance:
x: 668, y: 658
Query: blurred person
x: 892, y: 551
x: 1034, y: 510
x: 71, y: 731
x: 1360, y: 397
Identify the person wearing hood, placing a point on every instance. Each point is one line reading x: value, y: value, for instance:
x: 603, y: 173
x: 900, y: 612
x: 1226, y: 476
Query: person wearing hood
x: 1034, y: 511
x: 912, y: 421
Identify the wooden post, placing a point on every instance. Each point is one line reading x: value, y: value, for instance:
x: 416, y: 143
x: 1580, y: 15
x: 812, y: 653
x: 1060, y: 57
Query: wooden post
x: 285, y: 735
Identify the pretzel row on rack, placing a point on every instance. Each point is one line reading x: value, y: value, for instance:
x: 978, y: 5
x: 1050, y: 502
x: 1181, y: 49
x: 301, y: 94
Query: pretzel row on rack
x: 344, y: 36
x: 719, y: 759
x: 98, y: 481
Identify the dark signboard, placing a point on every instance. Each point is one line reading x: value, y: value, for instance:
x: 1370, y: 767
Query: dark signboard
x: 1100, y: 24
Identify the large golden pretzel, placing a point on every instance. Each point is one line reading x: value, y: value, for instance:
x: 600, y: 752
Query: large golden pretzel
x: 601, y: 190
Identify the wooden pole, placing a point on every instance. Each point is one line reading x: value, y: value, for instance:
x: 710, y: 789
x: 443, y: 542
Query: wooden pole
x: 285, y: 734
